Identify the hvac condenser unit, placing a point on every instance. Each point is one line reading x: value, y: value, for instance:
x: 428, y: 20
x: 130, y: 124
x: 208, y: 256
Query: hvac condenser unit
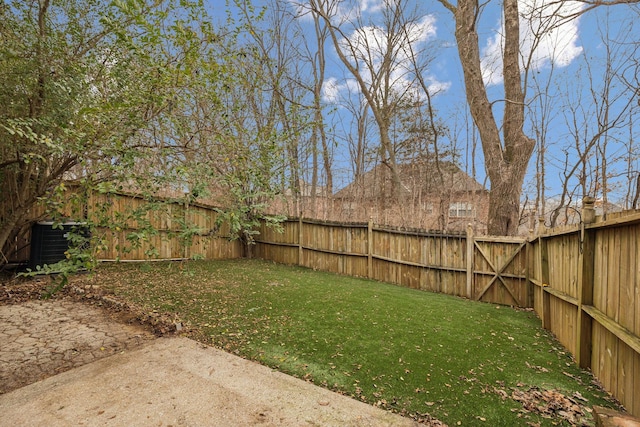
x: 49, y: 243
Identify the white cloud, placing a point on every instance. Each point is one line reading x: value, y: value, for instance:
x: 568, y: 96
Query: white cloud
x: 436, y: 87
x: 556, y: 41
x: 352, y: 85
x: 370, y: 42
x: 333, y: 91
x: 371, y: 6
x: 422, y: 30
x: 366, y: 48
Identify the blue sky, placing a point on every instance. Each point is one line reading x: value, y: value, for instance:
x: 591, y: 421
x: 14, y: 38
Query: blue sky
x: 568, y: 66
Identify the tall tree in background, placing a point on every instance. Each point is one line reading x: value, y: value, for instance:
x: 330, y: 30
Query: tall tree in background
x: 506, y: 153
x: 319, y: 135
x: 377, y: 57
x: 294, y: 75
x: 507, y: 148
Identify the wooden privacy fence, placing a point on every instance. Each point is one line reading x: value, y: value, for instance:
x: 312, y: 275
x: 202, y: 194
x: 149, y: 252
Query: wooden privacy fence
x: 180, y: 230
x: 130, y: 228
x: 177, y: 230
x: 481, y: 268
x: 583, y: 282
x: 587, y: 292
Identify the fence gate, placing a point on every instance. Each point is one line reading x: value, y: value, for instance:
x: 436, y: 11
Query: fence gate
x: 499, y: 271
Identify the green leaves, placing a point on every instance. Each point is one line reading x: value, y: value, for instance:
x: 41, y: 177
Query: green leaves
x: 89, y: 93
x: 142, y: 97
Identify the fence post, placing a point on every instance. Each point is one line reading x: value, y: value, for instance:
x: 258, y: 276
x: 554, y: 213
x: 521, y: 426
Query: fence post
x: 470, y: 261
x: 370, y: 248
x: 585, y: 284
x: 186, y: 254
x: 300, y: 239
x: 527, y: 273
x: 545, y: 314
x: 541, y: 225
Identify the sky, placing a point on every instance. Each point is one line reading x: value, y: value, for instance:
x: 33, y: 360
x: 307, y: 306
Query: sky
x: 566, y: 66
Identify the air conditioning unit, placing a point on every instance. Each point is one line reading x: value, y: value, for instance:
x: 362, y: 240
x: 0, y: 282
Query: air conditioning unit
x: 49, y: 243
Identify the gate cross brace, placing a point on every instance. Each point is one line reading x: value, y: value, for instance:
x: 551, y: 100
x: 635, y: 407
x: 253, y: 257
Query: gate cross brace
x: 497, y: 273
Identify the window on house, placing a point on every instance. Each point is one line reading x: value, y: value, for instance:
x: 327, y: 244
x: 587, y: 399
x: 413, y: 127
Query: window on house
x: 348, y: 208
x: 461, y: 210
x: 427, y: 207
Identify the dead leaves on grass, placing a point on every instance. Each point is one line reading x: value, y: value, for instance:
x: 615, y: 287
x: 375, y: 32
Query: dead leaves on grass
x: 549, y: 404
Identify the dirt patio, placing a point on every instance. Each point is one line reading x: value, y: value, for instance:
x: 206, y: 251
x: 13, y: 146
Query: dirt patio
x: 86, y: 360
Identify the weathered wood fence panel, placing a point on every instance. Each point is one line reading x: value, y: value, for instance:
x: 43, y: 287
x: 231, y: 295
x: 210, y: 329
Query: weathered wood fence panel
x: 615, y: 358
x: 126, y: 227
x: 333, y: 247
x: 281, y: 247
x: 499, y: 271
x: 415, y: 259
x: 177, y: 230
x: 587, y: 292
x: 562, y: 286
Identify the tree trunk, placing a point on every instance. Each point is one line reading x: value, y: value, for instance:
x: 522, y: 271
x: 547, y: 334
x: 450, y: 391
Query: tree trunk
x: 504, y: 202
x: 10, y: 226
x: 506, y: 158
x: 389, y: 159
x: 634, y: 205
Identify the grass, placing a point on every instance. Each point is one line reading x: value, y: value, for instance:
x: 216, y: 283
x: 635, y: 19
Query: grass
x: 417, y: 353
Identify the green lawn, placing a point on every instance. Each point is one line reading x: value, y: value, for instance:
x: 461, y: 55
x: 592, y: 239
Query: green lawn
x: 416, y: 353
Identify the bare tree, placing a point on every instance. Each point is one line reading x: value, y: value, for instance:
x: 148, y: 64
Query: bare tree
x: 543, y: 108
x: 319, y: 138
x: 373, y: 55
x: 506, y: 155
x: 278, y: 78
x: 357, y: 135
x: 596, y: 118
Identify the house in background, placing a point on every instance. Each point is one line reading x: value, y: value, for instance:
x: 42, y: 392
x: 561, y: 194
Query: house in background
x: 306, y: 200
x: 432, y: 195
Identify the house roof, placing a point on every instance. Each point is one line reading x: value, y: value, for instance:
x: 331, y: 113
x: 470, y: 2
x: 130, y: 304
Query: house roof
x: 427, y: 177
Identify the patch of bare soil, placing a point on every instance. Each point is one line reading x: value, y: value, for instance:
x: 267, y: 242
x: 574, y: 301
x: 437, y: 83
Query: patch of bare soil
x: 16, y: 290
